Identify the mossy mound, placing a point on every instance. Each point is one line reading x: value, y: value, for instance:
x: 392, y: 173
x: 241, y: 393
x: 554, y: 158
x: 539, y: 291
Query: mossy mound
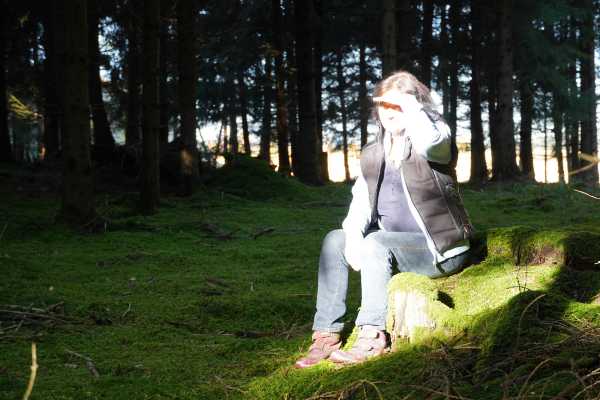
x: 255, y: 179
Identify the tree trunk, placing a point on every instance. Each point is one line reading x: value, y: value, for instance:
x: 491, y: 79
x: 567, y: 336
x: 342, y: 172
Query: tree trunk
x: 388, y: 37
x: 308, y: 160
x: 506, y: 167
x: 443, y: 63
x: 132, y: 130
x: 163, y: 138
x: 280, y: 100
x: 343, y: 111
x: 318, y: 57
x: 453, y: 72
x: 186, y: 57
x: 525, y: 151
x: 571, y: 121
x: 52, y: 107
x: 77, y: 207
x: 104, y: 143
x: 265, y: 137
x: 427, y: 40
x: 589, y: 138
x: 557, y: 122
x: 5, y: 147
x: 405, y: 18
x: 292, y: 90
x: 244, y: 112
x: 150, y: 193
x: 362, y: 95
x: 232, y: 116
x: 478, y: 166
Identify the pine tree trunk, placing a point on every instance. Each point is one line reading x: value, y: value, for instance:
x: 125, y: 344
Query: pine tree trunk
x: 52, y: 114
x: 525, y: 150
x: 344, y: 113
x: 150, y: 191
x: 589, y: 137
x: 557, y: 122
x: 233, y: 132
x: 5, y: 147
x: 292, y: 90
x: 77, y: 207
x: 403, y: 40
x: 362, y: 95
x: 443, y: 64
x: 478, y: 165
x: 318, y: 57
x: 308, y: 161
x: 104, y: 143
x: 265, y: 137
x: 132, y: 130
x: 280, y: 100
x: 186, y: 65
x: 163, y: 138
x: 244, y: 112
x: 427, y: 40
x: 453, y: 72
x: 506, y: 167
x: 388, y: 37
x: 571, y: 121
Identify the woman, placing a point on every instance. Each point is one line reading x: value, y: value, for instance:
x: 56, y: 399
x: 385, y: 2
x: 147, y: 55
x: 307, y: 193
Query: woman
x: 405, y: 211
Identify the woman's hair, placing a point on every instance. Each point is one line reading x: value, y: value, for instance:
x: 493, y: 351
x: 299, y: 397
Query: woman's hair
x: 405, y: 82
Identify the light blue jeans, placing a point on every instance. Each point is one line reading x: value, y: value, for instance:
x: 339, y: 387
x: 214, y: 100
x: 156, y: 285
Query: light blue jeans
x: 381, y: 250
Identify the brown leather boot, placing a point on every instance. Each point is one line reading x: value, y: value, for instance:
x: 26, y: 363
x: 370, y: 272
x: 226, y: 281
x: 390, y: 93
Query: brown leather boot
x: 370, y: 343
x: 324, y: 343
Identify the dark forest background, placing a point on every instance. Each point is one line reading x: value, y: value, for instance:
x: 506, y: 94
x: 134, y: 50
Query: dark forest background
x: 102, y: 89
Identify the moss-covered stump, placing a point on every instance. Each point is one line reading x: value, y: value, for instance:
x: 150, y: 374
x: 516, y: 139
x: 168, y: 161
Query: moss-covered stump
x: 414, y: 308
x: 529, y: 246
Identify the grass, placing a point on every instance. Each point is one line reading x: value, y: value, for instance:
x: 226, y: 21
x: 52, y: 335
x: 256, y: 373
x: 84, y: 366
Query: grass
x: 213, y: 297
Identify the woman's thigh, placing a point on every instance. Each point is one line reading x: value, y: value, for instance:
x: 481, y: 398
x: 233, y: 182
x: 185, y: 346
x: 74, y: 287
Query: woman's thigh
x: 412, y: 254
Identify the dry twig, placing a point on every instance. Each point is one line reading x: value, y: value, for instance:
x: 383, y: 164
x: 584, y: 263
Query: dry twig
x: 34, y: 367
x: 89, y: 363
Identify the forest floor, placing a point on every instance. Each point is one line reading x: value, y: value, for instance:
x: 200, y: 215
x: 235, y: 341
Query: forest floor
x: 213, y: 297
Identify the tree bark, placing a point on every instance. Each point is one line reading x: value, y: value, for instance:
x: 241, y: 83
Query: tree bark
x: 77, y: 206
x: 280, y: 100
x: 506, y: 167
x: 265, y: 137
x: 132, y: 130
x: 5, y: 146
x: 388, y: 37
x: 308, y: 160
x: 478, y: 166
x: 453, y: 72
x: 342, y: 97
x: 186, y: 57
x: 318, y: 58
x: 589, y: 137
x: 571, y: 121
x: 244, y: 111
x: 557, y: 122
x: 163, y: 138
x: 444, y: 43
x: 104, y: 143
x: 232, y: 115
x: 427, y: 42
x: 52, y: 106
x: 362, y: 95
x: 150, y: 190
x: 292, y: 90
x: 405, y: 20
x: 525, y: 150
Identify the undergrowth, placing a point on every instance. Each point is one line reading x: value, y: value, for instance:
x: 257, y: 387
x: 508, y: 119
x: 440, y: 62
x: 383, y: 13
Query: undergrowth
x: 213, y: 298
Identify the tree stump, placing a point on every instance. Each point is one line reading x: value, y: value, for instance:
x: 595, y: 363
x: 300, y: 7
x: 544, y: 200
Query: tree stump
x: 414, y: 310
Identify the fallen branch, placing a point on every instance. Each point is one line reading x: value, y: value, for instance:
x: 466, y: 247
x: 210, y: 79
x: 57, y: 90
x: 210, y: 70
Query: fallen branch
x: 262, y: 232
x: 34, y: 367
x: 587, y: 194
x: 89, y: 363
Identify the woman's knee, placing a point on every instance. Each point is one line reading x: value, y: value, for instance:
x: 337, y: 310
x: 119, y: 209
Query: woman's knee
x: 374, y: 253
x: 334, y: 241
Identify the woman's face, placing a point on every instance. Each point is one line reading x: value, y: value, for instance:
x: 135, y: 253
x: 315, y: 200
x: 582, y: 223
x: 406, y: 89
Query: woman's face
x: 391, y: 116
